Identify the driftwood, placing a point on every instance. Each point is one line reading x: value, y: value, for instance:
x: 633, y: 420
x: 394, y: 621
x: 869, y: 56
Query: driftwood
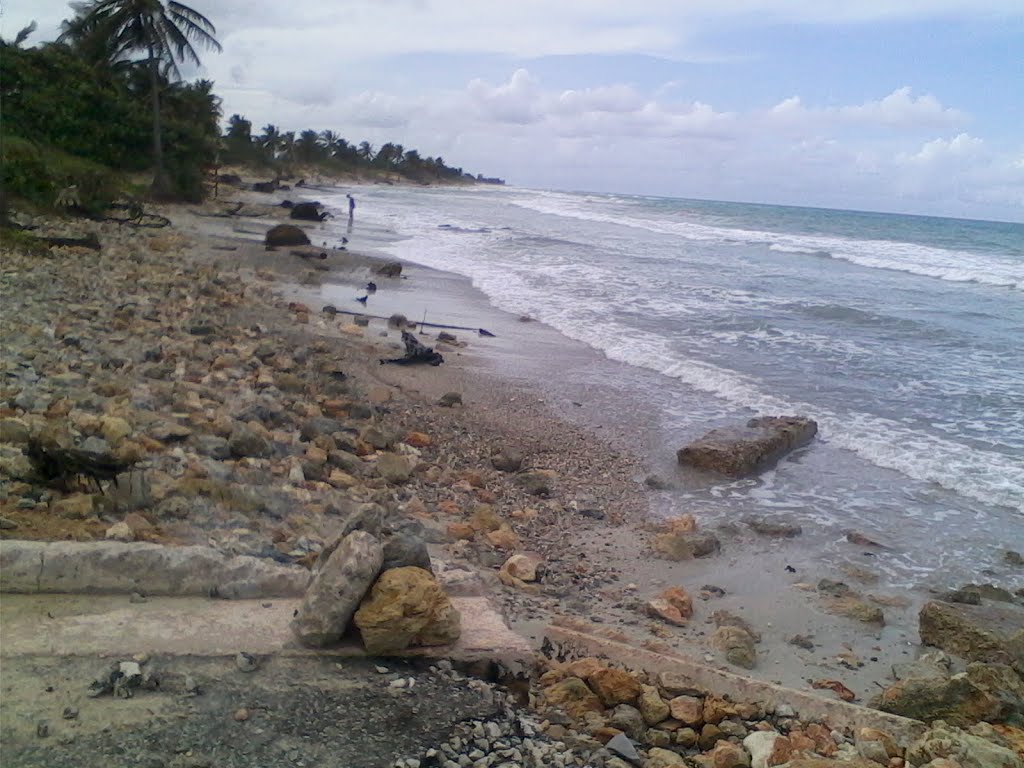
x: 415, y: 353
x: 62, y: 465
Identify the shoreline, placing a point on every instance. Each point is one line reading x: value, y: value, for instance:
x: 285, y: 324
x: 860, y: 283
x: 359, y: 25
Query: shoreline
x: 593, y: 530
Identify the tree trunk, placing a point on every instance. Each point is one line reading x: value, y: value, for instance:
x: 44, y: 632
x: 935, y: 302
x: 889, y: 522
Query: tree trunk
x: 161, y: 184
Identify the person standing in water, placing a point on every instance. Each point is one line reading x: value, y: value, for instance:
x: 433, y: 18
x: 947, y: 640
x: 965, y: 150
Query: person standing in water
x: 351, y: 206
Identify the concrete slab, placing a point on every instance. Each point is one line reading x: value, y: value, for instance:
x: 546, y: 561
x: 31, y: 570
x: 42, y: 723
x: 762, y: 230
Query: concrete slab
x: 75, y: 625
x: 684, y: 672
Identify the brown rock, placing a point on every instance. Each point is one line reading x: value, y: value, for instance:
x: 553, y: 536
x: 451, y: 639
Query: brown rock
x: 418, y: 440
x: 504, y: 538
x: 663, y: 758
x: 717, y: 709
x: 585, y: 667
x: 485, y: 519
x: 461, y: 531
x: 741, y: 451
x: 573, y: 696
x: 614, y: 686
x: 727, y: 755
x: 689, y: 710
x: 406, y: 607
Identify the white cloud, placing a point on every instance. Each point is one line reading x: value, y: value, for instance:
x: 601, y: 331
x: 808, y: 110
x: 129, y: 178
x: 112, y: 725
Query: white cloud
x: 900, y: 109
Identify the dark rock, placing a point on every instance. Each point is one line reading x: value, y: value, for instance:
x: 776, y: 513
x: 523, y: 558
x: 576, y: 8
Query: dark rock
x: 307, y: 212
x: 741, y: 451
x: 990, y: 592
x: 245, y: 442
x: 963, y: 595
x: 390, y: 269
x: 628, y: 720
x: 265, y: 186
x: 1013, y: 558
x: 213, y: 446
x: 657, y: 483
x: 284, y: 235
x: 536, y: 483
x: 623, y: 747
x: 319, y: 425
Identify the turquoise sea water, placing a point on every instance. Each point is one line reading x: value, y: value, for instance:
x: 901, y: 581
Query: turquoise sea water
x: 902, y: 335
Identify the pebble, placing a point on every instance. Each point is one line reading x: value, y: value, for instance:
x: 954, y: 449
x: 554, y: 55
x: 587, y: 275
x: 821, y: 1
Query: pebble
x: 70, y: 713
x: 241, y: 715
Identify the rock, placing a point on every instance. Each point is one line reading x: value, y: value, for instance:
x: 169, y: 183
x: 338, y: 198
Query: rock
x: 406, y: 607
x: 725, y: 755
x: 306, y: 212
x: 628, y: 720
x: 77, y: 507
x: 673, y: 605
x: 969, y: 751
x: 663, y: 758
x: 737, y: 644
x: 991, y: 633
x: 507, y: 459
x: 1003, y: 683
x: 1016, y: 559
x: 284, y: 235
x: 876, y: 745
x: 241, y: 715
x: 956, y: 700
x: 689, y: 710
x: 538, y: 482
x: 652, y: 707
x: 114, y: 429
x: 520, y: 569
x: 614, y: 686
x: 169, y: 432
x: 574, y: 696
x: 450, y: 399
x: 682, y: 545
x: 14, y: 431
x: 741, y: 451
x: 853, y: 607
x: 244, y: 442
x: 120, y: 532
x: 395, y: 468
x: 785, y: 529
x: 503, y: 538
x: 390, y: 269
x: 622, y: 746
x: 337, y: 588
x: 761, y: 745
x: 246, y: 662
x: 405, y: 548
x: 461, y: 531
x: 6, y: 524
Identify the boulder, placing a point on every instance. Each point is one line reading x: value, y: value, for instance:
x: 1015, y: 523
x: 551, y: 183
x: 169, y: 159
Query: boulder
x: 968, y: 751
x: 989, y: 633
x: 339, y: 584
x: 742, y: 451
x: 760, y: 745
x: 284, y: 235
x: 390, y: 269
x: 307, y: 212
x: 407, y: 607
x: 507, y: 459
x: 404, y: 548
x: 538, y: 482
x: 396, y: 468
x: 956, y: 700
x: 773, y: 527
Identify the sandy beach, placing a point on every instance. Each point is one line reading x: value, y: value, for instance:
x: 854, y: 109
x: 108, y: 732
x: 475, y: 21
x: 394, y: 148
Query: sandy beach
x: 186, y: 333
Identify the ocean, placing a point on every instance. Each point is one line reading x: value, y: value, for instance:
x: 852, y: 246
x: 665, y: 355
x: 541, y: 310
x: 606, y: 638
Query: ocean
x: 902, y: 336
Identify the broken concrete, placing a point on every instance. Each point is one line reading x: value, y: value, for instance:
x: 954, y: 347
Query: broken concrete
x: 742, y: 451
x: 110, y: 567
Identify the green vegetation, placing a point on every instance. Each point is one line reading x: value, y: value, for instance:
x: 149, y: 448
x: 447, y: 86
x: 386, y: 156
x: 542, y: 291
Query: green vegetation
x: 106, y: 100
x: 327, y: 151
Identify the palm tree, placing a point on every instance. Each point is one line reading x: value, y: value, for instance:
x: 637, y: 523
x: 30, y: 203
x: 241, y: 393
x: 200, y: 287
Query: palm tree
x: 307, y: 146
x: 270, y: 140
x: 365, y: 151
x: 162, y: 30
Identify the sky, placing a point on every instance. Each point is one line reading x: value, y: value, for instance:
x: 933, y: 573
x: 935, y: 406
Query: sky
x: 913, y: 106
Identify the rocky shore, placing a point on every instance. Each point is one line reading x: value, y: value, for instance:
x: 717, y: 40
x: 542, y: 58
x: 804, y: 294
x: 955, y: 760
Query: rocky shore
x: 185, y: 387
